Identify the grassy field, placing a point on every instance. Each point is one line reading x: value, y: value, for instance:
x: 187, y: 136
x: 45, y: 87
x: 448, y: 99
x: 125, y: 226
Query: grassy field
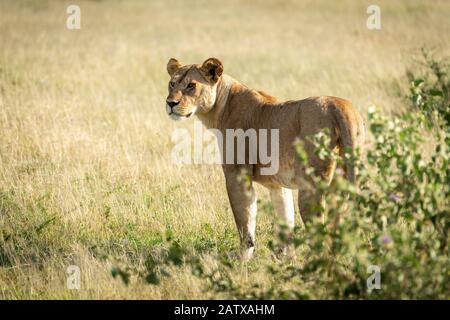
x: 85, y: 172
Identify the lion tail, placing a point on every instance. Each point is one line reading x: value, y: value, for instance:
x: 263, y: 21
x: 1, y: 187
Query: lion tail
x: 351, y: 133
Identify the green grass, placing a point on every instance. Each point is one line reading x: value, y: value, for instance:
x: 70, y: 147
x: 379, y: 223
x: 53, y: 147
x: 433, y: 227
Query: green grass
x: 85, y: 170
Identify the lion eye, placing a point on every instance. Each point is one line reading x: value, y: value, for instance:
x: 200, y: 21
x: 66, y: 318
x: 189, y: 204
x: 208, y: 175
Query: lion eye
x: 190, y: 86
x: 171, y: 84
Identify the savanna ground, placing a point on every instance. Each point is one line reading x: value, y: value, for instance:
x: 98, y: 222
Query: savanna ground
x: 86, y: 176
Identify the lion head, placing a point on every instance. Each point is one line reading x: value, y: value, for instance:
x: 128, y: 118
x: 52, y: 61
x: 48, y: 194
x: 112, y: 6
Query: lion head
x: 192, y: 88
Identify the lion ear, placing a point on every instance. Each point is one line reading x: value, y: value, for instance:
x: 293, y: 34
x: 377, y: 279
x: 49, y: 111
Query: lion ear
x: 212, y: 68
x: 172, y: 66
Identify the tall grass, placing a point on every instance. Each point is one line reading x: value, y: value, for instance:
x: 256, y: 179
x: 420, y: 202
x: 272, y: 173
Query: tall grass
x: 85, y: 170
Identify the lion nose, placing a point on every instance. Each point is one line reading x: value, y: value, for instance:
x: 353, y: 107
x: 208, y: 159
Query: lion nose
x: 172, y: 103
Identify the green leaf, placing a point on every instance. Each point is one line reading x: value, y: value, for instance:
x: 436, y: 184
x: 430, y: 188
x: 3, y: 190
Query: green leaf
x: 152, y: 278
x: 435, y: 92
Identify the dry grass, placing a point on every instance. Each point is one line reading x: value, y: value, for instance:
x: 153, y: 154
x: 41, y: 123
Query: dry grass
x: 85, y: 170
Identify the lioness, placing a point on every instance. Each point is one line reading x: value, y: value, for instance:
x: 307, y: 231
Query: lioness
x: 221, y: 102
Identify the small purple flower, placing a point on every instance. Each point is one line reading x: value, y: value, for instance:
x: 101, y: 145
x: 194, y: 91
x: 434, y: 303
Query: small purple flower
x: 339, y: 172
x: 395, y: 197
x: 386, y: 239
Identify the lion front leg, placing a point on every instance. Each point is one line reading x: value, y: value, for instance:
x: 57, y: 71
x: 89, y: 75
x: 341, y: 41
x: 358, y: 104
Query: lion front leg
x: 242, y: 198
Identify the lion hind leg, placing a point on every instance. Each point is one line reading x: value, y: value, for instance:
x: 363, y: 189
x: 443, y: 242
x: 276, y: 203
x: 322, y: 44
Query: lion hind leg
x: 284, y: 207
x: 310, y: 199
